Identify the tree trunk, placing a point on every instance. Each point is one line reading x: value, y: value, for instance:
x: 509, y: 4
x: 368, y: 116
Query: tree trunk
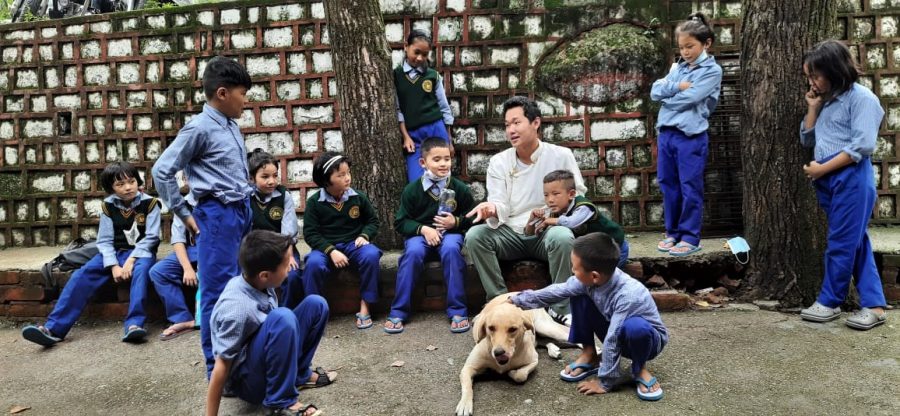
x: 362, y: 66
x: 783, y: 223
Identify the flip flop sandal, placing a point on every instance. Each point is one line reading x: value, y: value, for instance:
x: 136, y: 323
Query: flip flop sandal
x: 301, y: 412
x: 39, y: 335
x: 460, y: 329
x: 363, y: 318
x: 650, y: 396
x: 172, y: 335
x: 323, y: 380
x: 136, y: 334
x: 587, y: 371
x: 666, y: 244
x: 691, y: 249
x: 395, y: 329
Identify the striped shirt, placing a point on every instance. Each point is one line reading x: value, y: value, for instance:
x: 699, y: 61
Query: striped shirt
x: 848, y: 123
x: 106, y: 234
x: 620, y: 298
x: 210, y: 149
x: 238, y: 314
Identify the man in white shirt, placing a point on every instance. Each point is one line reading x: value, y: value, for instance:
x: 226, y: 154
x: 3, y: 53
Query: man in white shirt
x: 515, y: 188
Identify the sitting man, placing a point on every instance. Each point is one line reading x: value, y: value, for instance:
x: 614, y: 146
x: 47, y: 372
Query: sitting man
x: 514, y: 178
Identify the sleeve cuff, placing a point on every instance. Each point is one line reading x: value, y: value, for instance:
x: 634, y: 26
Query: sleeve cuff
x: 366, y: 236
x: 856, y: 156
x: 182, y: 211
x: 139, y: 253
x: 328, y: 249
x: 419, y: 230
x: 109, y: 261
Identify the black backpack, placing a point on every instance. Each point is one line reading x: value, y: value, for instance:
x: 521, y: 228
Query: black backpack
x: 75, y: 255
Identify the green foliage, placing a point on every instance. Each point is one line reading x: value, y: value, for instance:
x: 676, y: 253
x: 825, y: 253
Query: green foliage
x: 4, y: 10
x: 28, y: 16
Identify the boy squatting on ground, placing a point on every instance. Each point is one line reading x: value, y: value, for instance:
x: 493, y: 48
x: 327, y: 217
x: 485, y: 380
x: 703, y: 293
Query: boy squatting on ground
x: 611, y: 304
x: 573, y: 211
x: 428, y: 231
x: 127, y: 241
x: 177, y: 269
x: 262, y: 351
x: 210, y: 149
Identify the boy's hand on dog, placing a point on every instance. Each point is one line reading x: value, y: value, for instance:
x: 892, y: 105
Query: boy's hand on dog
x: 432, y: 236
x: 339, y: 259
x: 590, y: 387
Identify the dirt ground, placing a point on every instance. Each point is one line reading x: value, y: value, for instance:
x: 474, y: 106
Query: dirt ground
x: 718, y: 362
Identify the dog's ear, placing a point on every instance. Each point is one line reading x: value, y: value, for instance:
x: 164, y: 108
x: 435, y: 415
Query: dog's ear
x: 528, y: 321
x: 479, y: 330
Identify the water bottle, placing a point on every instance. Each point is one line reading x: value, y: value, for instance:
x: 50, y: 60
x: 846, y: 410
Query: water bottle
x: 447, y: 201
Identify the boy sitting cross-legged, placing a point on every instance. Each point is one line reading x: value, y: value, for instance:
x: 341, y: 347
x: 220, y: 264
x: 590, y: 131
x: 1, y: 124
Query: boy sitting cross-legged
x: 612, y: 305
x: 262, y: 351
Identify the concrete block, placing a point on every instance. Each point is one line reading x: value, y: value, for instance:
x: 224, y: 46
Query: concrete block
x: 289, y: 90
x: 565, y: 131
x: 167, y: 121
x: 119, y: 124
x: 456, y: 5
x: 74, y: 30
x: 89, y: 233
x: 152, y: 149
x: 10, y: 156
x: 465, y: 135
x: 22, y: 211
x: 81, y: 126
x: 309, y: 141
x: 81, y: 181
x: 112, y: 152
x: 314, y: 89
x: 253, y: 15
x: 397, y: 56
x: 90, y: 49
x: 19, y: 35
x: 480, y: 27
x: 136, y: 99
x: 70, y: 153
x: 182, y: 20
x: 244, y: 39
x: 178, y: 71
x: 477, y: 107
x: 187, y: 43
x: 7, y: 129
x: 450, y: 29
x: 131, y: 151
x: 160, y: 98
x: 37, y: 127
x: 101, y: 27
x: 92, y: 149
x: 10, y: 55
x: 70, y: 78
x: 504, y: 55
x: 96, y: 75
x: 641, y: 156
x: 285, y: 12
x: 67, y: 101
x: 296, y: 63
x: 322, y: 62
x: 307, y: 35
x: 631, y: 185
x: 99, y: 124
x: 156, y: 45
x: 4, y: 80
x: 587, y: 158
x: 876, y: 57
x: 317, y: 11
x: 26, y: 78
x: 885, y: 207
x: 313, y: 114
x: 299, y: 171
x: 48, y: 182
x: 30, y: 154
x: 143, y: 123
x: 118, y: 47
x: 615, y: 157
x: 470, y: 56
x: 263, y: 65
x: 332, y: 88
x: 247, y: 120
x: 604, y: 130
x: 48, y: 32
x: 14, y: 104
x: 334, y: 141
x: 45, y: 52
x: 394, y: 32
x: 49, y: 154
x: 206, y: 18
x: 153, y: 72
x: 281, y: 37
x: 257, y: 141
x: 273, y: 117
x: 38, y: 104
x: 281, y: 143
x: 893, y: 176
x: 258, y: 92
x: 477, y: 163
x: 230, y: 16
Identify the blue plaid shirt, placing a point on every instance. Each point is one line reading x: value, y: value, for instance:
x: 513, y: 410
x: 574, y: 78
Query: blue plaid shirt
x: 238, y: 314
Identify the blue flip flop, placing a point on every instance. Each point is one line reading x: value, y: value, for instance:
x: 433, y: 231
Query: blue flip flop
x: 395, y: 330
x: 648, y: 396
x: 588, y: 371
x: 362, y: 318
x: 39, y: 335
x: 460, y: 329
x: 691, y: 249
x: 135, y: 335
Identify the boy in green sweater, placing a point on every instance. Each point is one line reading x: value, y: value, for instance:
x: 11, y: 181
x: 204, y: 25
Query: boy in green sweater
x: 431, y: 224
x: 338, y: 224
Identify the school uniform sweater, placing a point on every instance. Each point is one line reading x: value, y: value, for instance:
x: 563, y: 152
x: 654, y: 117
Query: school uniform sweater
x: 418, y: 206
x: 326, y: 224
x: 596, y: 223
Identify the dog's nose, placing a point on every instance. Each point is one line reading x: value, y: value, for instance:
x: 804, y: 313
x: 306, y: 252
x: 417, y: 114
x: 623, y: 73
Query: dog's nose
x: 498, y: 352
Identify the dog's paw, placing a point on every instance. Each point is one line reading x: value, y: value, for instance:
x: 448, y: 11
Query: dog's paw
x: 553, y: 351
x: 464, y: 408
x: 518, y: 375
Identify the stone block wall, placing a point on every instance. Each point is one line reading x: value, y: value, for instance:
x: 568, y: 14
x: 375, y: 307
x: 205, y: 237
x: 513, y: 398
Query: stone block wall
x: 79, y: 93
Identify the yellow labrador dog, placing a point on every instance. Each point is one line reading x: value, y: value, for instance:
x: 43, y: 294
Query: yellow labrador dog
x: 505, y: 342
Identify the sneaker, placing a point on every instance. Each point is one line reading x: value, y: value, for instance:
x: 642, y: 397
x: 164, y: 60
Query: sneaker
x: 820, y: 313
x: 560, y: 318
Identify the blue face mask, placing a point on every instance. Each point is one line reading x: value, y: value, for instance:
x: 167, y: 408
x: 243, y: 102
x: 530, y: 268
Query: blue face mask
x: 740, y: 249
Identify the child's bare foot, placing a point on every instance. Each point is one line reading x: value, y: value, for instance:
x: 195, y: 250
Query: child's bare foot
x: 176, y: 329
x: 393, y: 325
x: 588, y: 357
x: 646, y: 376
x: 459, y: 324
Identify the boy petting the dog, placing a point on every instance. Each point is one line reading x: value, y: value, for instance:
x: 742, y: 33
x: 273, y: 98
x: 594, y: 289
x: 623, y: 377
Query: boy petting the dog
x: 263, y: 352
x: 611, y: 304
x: 431, y: 225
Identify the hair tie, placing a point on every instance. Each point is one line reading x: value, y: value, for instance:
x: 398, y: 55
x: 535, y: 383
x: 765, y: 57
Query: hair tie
x: 331, y: 162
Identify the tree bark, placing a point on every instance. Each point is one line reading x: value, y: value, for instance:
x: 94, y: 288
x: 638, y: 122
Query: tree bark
x: 783, y: 223
x: 369, y: 127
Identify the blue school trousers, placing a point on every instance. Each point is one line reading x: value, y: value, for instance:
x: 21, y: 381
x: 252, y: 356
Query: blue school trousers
x: 623, y: 253
x: 280, y: 353
x: 221, y: 229
x: 435, y: 129
x: 848, y: 198
x: 410, y: 269
x: 318, y: 267
x: 681, y: 160
x: 85, y: 282
x: 167, y: 276
x: 637, y: 339
x: 292, y: 287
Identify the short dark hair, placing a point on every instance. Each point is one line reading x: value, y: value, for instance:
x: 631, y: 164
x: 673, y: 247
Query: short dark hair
x: 417, y: 34
x: 257, y: 159
x: 561, y: 175
x: 223, y: 72
x: 529, y: 107
x: 697, y: 26
x: 322, y: 173
x: 432, y: 143
x: 262, y: 251
x: 598, y: 253
x: 832, y: 60
x: 118, y: 171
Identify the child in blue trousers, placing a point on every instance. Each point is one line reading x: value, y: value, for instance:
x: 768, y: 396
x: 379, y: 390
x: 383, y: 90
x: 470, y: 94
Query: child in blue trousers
x: 429, y: 229
x: 688, y: 95
x: 842, y: 124
x: 127, y: 241
x: 263, y: 352
x: 610, y: 304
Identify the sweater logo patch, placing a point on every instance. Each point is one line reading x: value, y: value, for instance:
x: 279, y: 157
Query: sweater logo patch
x: 354, y: 212
x: 140, y: 219
x: 276, y: 213
x: 427, y: 85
